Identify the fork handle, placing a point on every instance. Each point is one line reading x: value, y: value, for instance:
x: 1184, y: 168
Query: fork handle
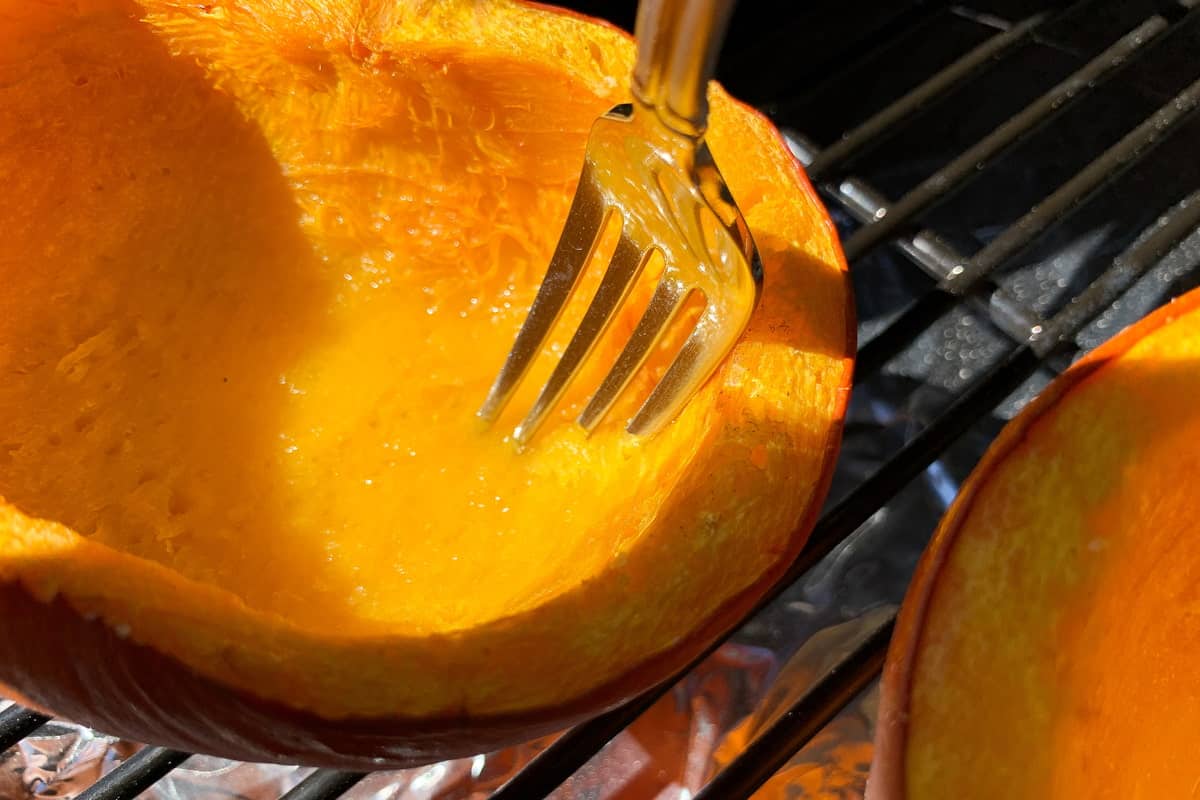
x: 678, y: 42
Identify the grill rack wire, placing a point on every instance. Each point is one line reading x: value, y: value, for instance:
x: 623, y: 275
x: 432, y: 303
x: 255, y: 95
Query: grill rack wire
x: 1034, y: 342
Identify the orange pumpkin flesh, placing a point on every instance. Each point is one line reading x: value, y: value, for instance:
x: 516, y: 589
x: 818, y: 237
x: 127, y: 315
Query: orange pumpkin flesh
x: 262, y: 260
x: 1048, y: 646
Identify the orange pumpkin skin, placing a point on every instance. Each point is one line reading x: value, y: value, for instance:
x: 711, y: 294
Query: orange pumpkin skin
x: 1024, y: 664
x: 159, y: 174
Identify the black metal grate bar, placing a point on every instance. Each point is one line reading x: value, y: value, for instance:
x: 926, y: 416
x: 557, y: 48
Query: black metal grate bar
x: 882, y: 485
x: 1158, y: 240
x: 770, y: 750
x: 968, y: 274
x: 875, y: 130
x: 575, y: 747
x: 324, y: 784
x: 866, y: 204
x: 925, y: 249
x: 952, y: 177
x: 791, y: 731
x: 16, y: 723
x: 1102, y: 171
x: 135, y: 775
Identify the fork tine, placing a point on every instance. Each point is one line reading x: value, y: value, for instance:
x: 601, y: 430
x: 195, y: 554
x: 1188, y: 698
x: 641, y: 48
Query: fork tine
x: 576, y: 243
x: 626, y: 264
x: 702, y: 353
x: 668, y: 297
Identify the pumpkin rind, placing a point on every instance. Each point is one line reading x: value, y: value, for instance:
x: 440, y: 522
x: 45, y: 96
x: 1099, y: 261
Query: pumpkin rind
x: 158, y: 137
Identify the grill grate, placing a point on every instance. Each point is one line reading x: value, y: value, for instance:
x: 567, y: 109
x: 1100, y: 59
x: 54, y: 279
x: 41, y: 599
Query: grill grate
x: 325, y: 783
x: 136, y: 774
x: 16, y: 723
x: 1033, y: 341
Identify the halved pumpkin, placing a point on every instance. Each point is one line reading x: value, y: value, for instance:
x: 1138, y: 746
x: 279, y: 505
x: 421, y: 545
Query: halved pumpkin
x: 261, y: 261
x: 1049, y: 645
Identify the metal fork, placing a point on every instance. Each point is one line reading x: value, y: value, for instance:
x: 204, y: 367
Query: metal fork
x: 648, y: 169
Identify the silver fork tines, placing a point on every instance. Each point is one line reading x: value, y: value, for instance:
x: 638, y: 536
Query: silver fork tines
x: 648, y: 170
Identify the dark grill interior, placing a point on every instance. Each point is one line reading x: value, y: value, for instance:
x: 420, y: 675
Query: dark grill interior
x: 1014, y: 182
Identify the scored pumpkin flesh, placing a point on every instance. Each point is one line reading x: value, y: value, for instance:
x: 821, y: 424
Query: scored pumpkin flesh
x: 261, y: 263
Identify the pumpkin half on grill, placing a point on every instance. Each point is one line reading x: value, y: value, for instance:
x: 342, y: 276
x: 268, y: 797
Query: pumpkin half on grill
x: 261, y: 261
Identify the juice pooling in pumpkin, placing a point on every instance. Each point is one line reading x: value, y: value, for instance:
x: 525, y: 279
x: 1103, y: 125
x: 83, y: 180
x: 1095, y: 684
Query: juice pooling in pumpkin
x: 260, y: 269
